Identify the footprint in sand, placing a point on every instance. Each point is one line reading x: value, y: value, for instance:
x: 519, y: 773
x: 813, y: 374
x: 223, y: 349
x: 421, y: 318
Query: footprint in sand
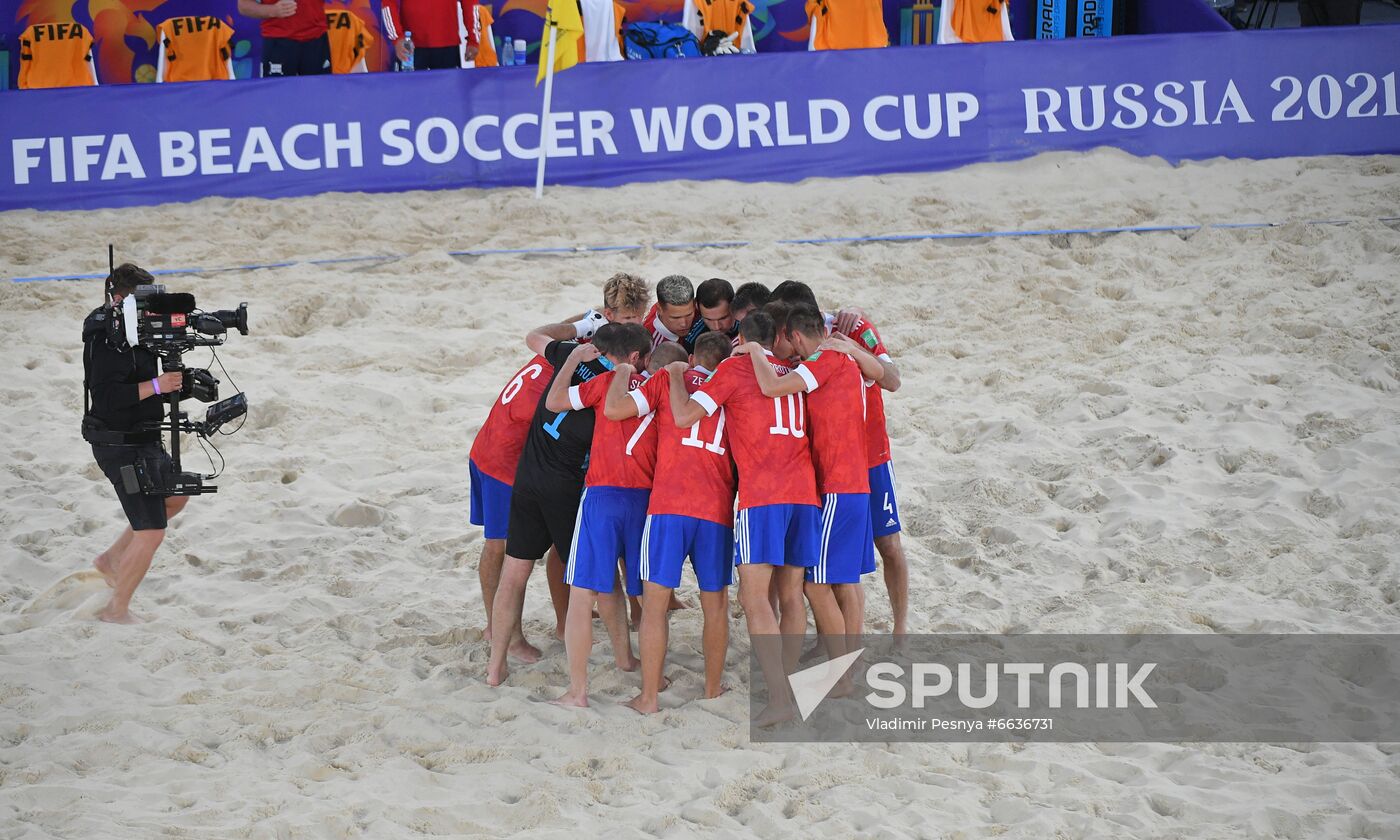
x: 71, y: 593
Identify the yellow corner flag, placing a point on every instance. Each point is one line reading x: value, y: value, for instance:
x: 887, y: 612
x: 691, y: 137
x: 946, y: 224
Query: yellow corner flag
x: 564, y: 16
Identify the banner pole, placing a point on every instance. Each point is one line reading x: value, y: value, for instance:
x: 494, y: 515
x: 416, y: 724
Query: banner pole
x: 544, y: 113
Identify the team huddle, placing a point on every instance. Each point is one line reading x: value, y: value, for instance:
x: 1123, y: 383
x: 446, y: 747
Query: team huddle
x: 733, y: 428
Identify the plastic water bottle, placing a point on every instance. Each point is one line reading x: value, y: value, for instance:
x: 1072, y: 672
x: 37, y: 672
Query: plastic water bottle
x: 520, y: 50
x: 507, y: 53
x: 407, y: 64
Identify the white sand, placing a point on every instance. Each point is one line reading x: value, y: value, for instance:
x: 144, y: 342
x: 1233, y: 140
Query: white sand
x: 1136, y: 433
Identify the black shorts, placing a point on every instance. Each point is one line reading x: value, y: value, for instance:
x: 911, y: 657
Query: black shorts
x: 541, y: 517
x: 437, y: 58
x: 285, y: 57
x: 145, y: 513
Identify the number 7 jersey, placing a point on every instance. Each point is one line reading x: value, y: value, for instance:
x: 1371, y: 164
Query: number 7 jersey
x: 769, y: 435
x: 694, y: 472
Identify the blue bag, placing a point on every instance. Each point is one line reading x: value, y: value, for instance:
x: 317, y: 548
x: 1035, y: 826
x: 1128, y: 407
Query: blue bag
x: 659, y: 40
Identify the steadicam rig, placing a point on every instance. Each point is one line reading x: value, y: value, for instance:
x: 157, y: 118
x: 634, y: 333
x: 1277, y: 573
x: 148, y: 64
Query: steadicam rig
x: 170, y: 325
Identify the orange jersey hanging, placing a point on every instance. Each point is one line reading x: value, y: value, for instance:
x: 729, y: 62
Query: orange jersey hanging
x: 846, y: 24
x: 194, y: 49
x: 350, y: 41
x: 55, y: 55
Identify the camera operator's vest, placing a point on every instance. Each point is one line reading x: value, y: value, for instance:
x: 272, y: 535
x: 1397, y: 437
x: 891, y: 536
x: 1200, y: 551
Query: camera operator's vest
x: 100, y: 326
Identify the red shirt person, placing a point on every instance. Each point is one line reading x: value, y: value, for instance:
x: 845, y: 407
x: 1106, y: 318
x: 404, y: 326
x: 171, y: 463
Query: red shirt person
x: 294, y: 36
x: 444, y: 31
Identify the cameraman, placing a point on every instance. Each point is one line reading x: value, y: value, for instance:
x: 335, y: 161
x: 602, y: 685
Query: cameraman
x: 125, y: 388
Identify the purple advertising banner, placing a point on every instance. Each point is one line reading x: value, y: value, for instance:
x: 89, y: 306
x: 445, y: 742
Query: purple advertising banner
x: 777, y: 117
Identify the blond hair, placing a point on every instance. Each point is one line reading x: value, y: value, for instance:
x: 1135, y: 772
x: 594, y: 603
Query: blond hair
x: 625, y: 291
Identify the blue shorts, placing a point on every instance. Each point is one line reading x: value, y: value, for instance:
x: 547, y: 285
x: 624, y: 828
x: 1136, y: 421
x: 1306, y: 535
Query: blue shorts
x: 847, y: 545
x: 884, y: 509
x: 778, y: 535
x: 609, y: 527
x: 490, y: 503
x: 670, y: 538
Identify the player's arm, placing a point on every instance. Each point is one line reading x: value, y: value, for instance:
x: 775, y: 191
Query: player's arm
x: 258, y: 11
x: 618, y: 404
x: 540, y: 337
x: 846, y: 319
x: 557, y: 399
x: 769, y: 381
x: 684, y: 409
x: 871, y: 367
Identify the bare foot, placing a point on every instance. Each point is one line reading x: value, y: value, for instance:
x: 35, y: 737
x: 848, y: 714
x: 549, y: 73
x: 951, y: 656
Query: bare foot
x: 559, y: 632
x: 631, y: 663
x: 112, y: 616
x: 676, y: 604
x: 773, y: 715
x: 523, y: 650
x: 496, y: 676
x: 642, y: 705
x: 844, y: 687
x: 486, y: 634
x: 576, y: 700
x: 107, y: 568
x: 712, y: 693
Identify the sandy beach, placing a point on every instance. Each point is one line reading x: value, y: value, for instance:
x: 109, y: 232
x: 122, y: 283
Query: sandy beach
x: 1170, y: 432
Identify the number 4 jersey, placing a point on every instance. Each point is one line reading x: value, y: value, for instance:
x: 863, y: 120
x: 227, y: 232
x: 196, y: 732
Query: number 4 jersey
x: 769, y: 435
x: 694, y: 473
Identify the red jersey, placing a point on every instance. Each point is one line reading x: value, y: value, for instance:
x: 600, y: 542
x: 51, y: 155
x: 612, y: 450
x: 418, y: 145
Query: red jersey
x: 623, y: 453
x: 660, y: 332
x: 836, y: 397
x: 498, y: 444
x: 877, y: 439
x: 699, y: 475
x: 308, y: 23
x: 434, y: 23
x: 769, y: 435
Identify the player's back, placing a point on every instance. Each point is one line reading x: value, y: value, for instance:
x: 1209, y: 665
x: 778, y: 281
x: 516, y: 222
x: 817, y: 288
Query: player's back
x: 877, y: 440
x: 769, y: 435
x: 694, y: 471
x: 837, y: 422
x: 497, y: 446
x: 556, y: 446
x: 623, y: 453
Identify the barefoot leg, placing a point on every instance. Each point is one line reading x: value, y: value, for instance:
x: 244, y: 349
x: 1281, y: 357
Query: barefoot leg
x: 130, y: 571
x: 506, y: 607
x: 715, y: 639
x: 653, y: 637
x: 488, y: 571
x: 578, y: 643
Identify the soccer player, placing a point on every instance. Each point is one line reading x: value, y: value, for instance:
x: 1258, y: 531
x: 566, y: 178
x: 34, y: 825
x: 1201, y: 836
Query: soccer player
x: 747, y: 298
x: 714, y: 300
x: 612, y: 512
x: 777, y: 528
x: 495, y: 453
x: 884, y: 507
x: 548, y: 482
x: 691, y: 514
x: 836, y: 401
x: 672, y: 318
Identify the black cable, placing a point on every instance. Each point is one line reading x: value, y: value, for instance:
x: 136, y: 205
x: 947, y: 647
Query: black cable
x: 206, y: 445
x: 244, y: 419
